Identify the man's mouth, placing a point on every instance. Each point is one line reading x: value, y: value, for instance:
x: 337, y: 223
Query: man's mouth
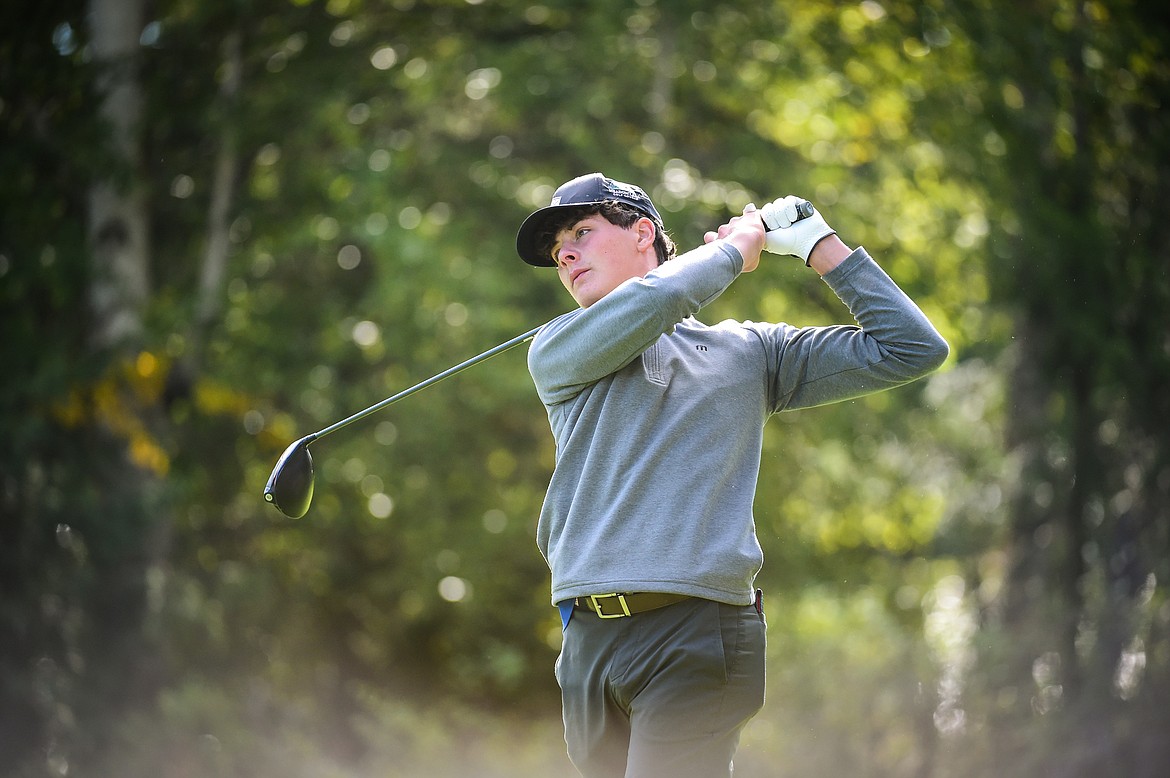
x: 577, y: 274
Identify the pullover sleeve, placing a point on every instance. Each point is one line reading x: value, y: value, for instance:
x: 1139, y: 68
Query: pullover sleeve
x: 893, y: 343
x: 583, y: 346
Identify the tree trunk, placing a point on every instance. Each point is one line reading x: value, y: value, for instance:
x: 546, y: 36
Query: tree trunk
x: 117, y: 208
x: 214, y: 268
x: 123, y: 537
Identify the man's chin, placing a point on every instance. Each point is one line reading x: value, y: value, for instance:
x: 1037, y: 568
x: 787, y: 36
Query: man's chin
x: 585, y: 298
x: 582, y: 293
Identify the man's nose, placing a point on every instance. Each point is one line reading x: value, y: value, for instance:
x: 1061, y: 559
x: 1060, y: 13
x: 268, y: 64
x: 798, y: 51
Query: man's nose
x: 567, y: 254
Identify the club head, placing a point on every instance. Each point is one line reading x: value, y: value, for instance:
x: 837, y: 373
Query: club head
x: 290, y: 487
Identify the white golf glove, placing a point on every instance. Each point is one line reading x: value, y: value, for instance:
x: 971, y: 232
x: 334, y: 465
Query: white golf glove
x: 793, y: 227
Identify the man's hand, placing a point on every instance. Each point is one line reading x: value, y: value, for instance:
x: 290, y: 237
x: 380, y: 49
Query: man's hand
x: 794, y: 227
x: 746, y: 233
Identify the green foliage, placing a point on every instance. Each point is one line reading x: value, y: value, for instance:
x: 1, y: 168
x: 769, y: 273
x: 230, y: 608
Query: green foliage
x: 961, y: 575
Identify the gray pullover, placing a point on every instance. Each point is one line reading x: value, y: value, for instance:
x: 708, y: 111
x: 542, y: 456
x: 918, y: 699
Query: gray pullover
x: 658, y: 419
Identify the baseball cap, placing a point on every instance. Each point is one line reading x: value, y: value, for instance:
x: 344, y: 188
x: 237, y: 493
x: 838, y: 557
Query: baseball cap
x: 590, y: 189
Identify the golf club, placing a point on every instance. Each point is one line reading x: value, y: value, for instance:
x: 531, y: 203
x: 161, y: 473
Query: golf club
x: 290, y: 487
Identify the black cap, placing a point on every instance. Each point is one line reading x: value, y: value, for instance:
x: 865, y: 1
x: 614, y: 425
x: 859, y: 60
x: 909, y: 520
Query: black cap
x: 591, y: 189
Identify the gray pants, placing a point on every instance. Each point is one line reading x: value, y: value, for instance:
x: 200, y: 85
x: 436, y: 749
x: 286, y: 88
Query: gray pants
x: 661, y: 693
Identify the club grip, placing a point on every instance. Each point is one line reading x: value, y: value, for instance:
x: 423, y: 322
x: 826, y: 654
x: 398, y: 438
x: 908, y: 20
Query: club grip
x: 804, y: 209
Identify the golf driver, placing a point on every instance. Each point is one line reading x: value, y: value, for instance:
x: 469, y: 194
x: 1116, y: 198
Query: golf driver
x: 290, y: 487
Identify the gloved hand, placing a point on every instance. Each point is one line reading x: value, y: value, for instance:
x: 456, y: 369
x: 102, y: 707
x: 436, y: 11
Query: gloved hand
x: 793, y: 227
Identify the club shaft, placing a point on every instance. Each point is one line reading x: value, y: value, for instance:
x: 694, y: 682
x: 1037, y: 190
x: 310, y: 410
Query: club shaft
x: 803, y: 210
x: 516, y: 341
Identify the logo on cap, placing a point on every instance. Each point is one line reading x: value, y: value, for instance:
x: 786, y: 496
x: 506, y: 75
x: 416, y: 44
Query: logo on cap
x: 624, y: 190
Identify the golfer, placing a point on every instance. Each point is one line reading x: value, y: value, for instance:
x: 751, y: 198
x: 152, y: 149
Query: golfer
x: 658, y: 421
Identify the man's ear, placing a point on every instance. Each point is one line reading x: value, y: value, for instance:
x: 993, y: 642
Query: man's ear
x: 646, y: 232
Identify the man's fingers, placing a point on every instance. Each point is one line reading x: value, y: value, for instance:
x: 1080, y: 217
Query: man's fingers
x: 789, y: 210
x: 730, y: 226
x: 782, y: 213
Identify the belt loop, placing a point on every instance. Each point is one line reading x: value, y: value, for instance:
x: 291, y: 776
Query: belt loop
x: 760, y: 601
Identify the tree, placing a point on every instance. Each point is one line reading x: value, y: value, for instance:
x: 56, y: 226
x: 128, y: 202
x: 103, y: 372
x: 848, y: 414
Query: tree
x: 1071, y: 91
x: 314, y: 208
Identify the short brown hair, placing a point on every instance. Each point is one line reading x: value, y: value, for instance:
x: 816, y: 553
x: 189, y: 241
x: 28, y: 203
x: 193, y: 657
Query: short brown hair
x: 612, y: 211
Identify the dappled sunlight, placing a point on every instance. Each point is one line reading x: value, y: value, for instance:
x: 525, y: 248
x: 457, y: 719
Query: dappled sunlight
x: 314, y: 205
x: 949, y: 627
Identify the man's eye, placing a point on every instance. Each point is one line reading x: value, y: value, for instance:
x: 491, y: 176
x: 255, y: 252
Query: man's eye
x: 581, y: 231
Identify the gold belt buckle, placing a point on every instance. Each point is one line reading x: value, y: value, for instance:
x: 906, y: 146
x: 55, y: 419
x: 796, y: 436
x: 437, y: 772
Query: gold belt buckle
x: 621, y: 598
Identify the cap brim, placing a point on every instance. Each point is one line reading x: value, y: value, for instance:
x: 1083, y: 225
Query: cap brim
x: 526, y: 245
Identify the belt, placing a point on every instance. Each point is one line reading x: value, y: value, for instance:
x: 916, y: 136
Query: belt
x: 615, y: 606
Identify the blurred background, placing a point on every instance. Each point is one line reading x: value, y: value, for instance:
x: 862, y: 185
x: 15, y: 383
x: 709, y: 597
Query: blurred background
x: 225, y: 225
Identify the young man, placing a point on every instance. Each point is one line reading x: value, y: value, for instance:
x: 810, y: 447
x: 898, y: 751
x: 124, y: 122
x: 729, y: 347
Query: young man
x: 658, y: 420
